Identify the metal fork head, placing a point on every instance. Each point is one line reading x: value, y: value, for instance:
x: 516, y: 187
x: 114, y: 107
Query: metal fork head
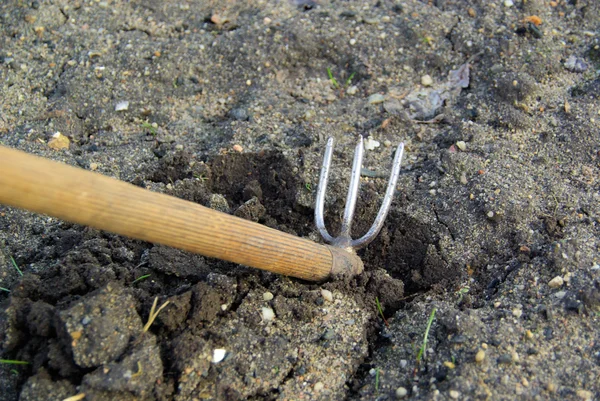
x: 344, y: 240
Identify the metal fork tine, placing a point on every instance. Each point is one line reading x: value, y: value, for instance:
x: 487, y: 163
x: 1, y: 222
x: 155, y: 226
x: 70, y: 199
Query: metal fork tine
x: 385, y: 205
x: 323, y: 178
x: 344, y: 240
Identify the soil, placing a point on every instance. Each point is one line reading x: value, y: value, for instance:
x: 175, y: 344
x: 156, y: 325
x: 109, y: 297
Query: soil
x: 484, y: 283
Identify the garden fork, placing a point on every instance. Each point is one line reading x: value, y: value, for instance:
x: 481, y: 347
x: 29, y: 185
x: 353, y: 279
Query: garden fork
x: 344, y: 240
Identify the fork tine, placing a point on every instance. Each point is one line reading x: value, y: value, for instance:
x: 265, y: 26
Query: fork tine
x: 322, y: 188
x: 385, y: 205
x: 352, y: 194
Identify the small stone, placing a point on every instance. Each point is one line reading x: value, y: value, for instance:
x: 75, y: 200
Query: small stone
x: 401, y: 392
x: 556, y: 282
x: 371, y: 144
x: 309, y: 114
x: 463, y: 179
x: 560, y: 294
x: 352, y: 90
x: 585, y: 394
x: 575, y: 64
x: 122, y: 105
x: 224, y: 307
x: 449, y: 365
x: 567, y: 107
x: 352, y: 42
x: 267, y: 21
x: 528, y: 334
x: 517, y: 312
x: 267, y: 296
x: 403, y: 363
x: 461, y: 145
x: 504, y: 359
x: 514, y: 356
x: 426, y: 80
x: 267, y: 314
x: 376, y: 98
x: 59, y: 141
x: 551, y: 387
x: 93, y: 166
x: 508, y: 3
x: 319, y: 386
x: 327, y: 295
x: 387, y: 143
x: 218, y: 355
x: 239, y: 114
x: 238, y: 148
x: 480, y: 356
x: 454, y: 394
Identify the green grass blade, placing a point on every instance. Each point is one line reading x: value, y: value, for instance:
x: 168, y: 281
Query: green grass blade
x: 140, y: 278
x: 15, y: 265
x: 13, y: 362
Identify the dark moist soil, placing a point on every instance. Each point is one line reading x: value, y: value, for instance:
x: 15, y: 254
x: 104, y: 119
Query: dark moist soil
x: 484, y: 283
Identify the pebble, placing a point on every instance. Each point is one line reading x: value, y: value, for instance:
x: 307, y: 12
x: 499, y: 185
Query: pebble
x: 59, y: 141
x: 514, y: 356
x: 93, y: 166
x: 267, y: 296
x: 218, y: 355
x: 517, y: 312
x: 376, y: 98
x: 575, y: 64
x: 401, y: 392
x: 122, y: 106
x: 449, y: 365
x: 461, y: 145
x: 426, y: 80
x: 238, y: 148
x: 403, y: 363
x: 454, y: 394
x: 506, y: 358
x: 352, y: 90
x: 556, y: 282
x: 480, y: 356
x: 585, y: 394
x: 327, y: 295
x: 239, y: 114
x: 352, y: 42
x: 508, y: 3
x: 319, y: 386
x: 371, y: 144
x: 560, y: 294
x: 268, y: 314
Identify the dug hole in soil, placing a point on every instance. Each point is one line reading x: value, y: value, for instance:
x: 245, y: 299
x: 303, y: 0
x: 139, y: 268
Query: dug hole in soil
x: 484, y: 283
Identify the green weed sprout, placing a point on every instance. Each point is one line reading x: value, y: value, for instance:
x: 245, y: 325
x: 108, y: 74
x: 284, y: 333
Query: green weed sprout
x: 421, y: 353
x: 15, y: 265
x: 380, y: 309
x: 13, y: 362
x: 332, y: 79
x: 140, y: 278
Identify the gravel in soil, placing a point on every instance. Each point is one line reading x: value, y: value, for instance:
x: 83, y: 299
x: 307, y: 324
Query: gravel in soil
x: 495, y: 223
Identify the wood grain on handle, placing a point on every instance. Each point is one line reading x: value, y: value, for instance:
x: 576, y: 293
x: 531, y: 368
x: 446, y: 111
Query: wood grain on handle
x: 80, y: 196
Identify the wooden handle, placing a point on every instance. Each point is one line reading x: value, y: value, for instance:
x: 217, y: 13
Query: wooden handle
x: 87, y: 198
